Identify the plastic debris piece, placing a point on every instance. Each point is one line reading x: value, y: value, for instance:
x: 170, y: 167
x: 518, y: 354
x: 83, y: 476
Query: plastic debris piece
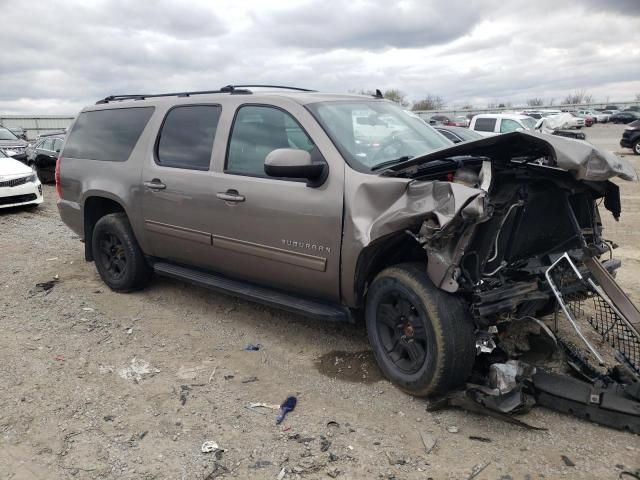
x: 429, y: 441
x: 479, y: 439
x: 282, y: 473
x: 253, y: 348
x: 287, y: 406
x: 210, y: 446
x: 567, y: 461
x: 452, y: 429
x: 333, y: 423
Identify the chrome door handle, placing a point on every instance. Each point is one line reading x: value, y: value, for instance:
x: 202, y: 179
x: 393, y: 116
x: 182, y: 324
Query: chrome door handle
x: 155, y: 184
x: 230, y: 196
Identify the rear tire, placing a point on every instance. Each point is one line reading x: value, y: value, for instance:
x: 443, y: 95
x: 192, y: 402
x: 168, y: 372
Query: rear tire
x: 117, y: 255
x: 636, y: 147
x: 422, y: 337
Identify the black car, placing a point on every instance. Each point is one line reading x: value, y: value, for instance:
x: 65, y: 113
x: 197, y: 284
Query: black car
x: 631, y: 137
x: 42, y: 156
x: 624, y: 117
x: 458, y: 134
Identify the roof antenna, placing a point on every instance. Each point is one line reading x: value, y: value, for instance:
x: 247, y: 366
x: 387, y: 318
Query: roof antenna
x: 378, y: 94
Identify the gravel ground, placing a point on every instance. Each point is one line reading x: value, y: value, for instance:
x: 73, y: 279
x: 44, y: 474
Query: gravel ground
x: 103, y: 385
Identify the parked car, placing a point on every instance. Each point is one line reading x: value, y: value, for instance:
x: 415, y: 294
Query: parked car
x: 267, y: 196
x: 600, y: 117
x: 566, y: 120
x: 11, y: 145
x: 631, y: 137
x: 633, y: 108
x: 460, y: 121
x: 624, y: 117
x: 588, y: 119
x: 19, y: 185
x: 43, y: 154
x: 19, y: 132
x: 487, y: 124
x: 612, y: 107
x: 457, y: 134
x: 440, y: 120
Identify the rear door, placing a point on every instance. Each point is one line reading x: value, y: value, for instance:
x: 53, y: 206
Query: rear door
x: 178, y: 190
x: 278, y: 232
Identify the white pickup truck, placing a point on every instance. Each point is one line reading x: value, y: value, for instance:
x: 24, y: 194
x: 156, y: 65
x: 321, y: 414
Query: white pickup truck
x: 488, y: 124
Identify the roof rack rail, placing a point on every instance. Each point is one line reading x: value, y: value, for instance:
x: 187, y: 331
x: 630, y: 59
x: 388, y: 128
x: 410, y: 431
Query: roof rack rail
x: 231, y: 89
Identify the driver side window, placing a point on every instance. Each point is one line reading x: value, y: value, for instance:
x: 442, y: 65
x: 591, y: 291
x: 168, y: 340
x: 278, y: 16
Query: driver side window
x: 257, y: 131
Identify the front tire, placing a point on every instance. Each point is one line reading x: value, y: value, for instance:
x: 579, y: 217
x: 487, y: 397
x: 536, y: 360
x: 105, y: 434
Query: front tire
x: 117, y: 255
x: 422, y: 337
x: 636, y: 147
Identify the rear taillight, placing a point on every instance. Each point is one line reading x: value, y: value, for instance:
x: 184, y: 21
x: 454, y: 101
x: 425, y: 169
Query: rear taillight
x: 57, y: 177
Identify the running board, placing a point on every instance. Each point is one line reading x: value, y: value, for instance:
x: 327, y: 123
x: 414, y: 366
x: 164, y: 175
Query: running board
x: 248, y: 291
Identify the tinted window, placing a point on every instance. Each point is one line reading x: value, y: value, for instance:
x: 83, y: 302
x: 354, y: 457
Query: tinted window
x: 186, y: 138
x: 450, y: 135
x: 257, y: 131
x: 507, y: 126
x: 47, y: 144
x: 57, y: 145
x: 107, y: 134
x: 485, y: 124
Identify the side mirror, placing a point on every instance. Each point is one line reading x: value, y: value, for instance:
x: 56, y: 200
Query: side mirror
x: 58, y: 151
x: 294, y: 163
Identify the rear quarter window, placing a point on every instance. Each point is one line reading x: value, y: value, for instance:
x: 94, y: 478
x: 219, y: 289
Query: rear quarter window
x: 485, y: 124
x: 108, y: 135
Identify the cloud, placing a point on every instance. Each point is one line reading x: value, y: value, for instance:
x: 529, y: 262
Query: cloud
x: 463, y: 51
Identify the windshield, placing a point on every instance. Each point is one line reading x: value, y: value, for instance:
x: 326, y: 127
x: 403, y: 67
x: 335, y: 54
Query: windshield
x: 370, y: 133
x: 529, y: 123
x: 7, y: 135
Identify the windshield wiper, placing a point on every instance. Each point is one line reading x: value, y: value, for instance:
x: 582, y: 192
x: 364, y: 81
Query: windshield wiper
x: 388, y: 163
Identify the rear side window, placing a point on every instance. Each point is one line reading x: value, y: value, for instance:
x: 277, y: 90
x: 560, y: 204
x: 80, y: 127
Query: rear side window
x: 507, y: 126
x: 108, y: 135
x: 485, y: 124
x: 186, y: 137
x: 47, y: 144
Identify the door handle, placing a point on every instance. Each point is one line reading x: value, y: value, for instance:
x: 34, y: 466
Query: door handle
x: 230, y: 196
x: 155, y: 184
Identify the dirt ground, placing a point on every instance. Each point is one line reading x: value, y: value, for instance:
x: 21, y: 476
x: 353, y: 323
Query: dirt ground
x: 96, y: 384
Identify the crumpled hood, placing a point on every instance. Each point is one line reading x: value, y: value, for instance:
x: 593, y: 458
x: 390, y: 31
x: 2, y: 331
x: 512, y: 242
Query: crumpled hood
x: 579, y: 157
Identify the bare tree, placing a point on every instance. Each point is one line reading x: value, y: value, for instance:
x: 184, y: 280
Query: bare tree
x: 552, y: 101
x: 637, y: 97
x: 467, y: 106
x: 576, y: 97
x: 430, y: 102
x: 535, y: 102
x: 588, y: 98
x: 397, y: 96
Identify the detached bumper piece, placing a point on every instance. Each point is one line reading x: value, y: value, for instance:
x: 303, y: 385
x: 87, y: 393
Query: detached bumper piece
x: 612, y: 405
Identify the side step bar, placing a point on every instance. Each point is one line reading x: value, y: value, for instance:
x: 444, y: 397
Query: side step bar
x: 248, y: 291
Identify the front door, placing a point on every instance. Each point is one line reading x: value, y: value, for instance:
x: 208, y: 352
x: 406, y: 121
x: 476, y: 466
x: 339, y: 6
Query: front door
x: 278, y: 232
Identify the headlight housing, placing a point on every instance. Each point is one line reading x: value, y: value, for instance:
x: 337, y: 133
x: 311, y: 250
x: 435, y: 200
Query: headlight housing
x: 32, y: 178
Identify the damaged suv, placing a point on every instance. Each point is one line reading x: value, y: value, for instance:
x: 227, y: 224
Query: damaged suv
x: 326, y: 205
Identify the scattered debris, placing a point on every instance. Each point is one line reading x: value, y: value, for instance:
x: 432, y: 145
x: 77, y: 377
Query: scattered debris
x: 287, y: 406
x: 44, y: 287
x: 250, y: 380
x: 452, y: 429
x: 210, y: 447
x: 212, y: 374
x: 567, y: 461
x: 261, y: 464
x: 324, y: 444
x: 333, y: 472
x: 479, y: 439
x: 333, y: 423
x: 429, y: 441
x: 184, y: 393
x: 253, y: 348
x: 137, y: 370
x: 108, y: 418
x: 282, y: 473
x: 228, y: 377
x: 254, y: 407
x: 59, y: 358
x: 476, y: 470
x: 396, y: 458
x: 88, y: 309
x: 52, y: 259
x: 218, y: 471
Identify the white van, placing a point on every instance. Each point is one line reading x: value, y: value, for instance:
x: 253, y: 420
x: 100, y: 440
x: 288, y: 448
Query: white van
x: 488, y: 124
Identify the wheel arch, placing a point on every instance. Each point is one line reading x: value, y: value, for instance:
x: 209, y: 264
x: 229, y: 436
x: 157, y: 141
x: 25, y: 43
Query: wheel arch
x: 392, y: 249
x: 96, y: 206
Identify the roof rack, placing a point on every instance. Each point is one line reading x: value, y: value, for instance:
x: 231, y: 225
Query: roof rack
x: 231, y: 89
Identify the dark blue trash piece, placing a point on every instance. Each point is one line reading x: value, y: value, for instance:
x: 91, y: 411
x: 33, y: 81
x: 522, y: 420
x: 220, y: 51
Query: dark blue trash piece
x: 253, y: 348
x: 287, y: 406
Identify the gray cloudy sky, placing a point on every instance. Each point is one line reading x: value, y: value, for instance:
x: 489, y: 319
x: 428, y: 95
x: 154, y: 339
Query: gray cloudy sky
x: 59, y: 56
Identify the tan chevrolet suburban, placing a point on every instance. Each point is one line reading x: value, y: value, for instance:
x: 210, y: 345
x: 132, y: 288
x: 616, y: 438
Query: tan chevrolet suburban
x: 326, y: 204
